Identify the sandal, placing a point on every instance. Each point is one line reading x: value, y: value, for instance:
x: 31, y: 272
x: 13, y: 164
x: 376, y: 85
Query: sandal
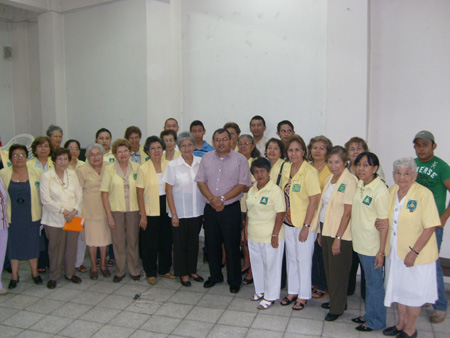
x: 318, y: 294
x: 110, y: 263
x: 264, y: 304
x: 257, y: 296
x: 93, y: 274
x: 247, y: 281
x: 105, y: 272
x: 82, y: 268
x: 298, y: 306
x: 286, y: 301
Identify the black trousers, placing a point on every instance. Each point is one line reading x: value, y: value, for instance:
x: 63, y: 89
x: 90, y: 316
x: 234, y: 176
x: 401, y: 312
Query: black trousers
x: 224, y: 227
x: 155, y: 243
x: 352, y: 278
x: 185, y: 245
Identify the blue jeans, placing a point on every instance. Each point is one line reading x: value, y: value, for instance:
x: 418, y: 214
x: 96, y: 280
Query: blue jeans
x: 441, y: 303
x: 375, y: 316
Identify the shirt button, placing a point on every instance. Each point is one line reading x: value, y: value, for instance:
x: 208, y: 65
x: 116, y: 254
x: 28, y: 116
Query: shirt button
x: 395, y: 222
x: 395, y: 234
x: 220, y: 169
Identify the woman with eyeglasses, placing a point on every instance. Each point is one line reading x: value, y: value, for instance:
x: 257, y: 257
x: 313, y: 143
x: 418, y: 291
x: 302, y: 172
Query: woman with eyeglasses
x: 24, y: 213
x: 169, y: 137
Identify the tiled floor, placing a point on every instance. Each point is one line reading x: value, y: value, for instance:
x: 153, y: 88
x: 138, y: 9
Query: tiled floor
x: 102, y: 308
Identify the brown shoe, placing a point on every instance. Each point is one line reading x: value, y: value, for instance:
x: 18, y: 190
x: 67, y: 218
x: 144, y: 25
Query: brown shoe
x: 93, y: 274
x: 117, y: 279
x: 151, y: 280
x: 168, y: 275
x: 105, y: 272
x: 437, y: 316
x: 82, y: 268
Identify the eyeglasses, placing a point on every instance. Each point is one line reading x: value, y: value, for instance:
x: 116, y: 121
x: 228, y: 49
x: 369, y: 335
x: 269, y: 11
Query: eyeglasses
x: 19, y: 155
x: 224, y: 139
x: 240, y: 144
x: 73, y: 149
x: 121, y: 152
x: 95, y: 155
x: 185, y: 146
x: 62, y: 159
x: 169, y: 140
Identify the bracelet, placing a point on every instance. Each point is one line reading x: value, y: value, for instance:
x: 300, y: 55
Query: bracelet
x: 417, y: 253
x: 381, y: 254
x: 273, y: 235
x: 338, y: 237
x: 306, y: 225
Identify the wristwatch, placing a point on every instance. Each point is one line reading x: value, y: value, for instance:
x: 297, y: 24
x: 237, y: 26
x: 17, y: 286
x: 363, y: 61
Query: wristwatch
x: 306, y: 225
x: 222, y: 198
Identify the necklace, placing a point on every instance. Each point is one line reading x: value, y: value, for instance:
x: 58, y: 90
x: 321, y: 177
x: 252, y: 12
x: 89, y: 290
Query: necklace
x: 63, y: 184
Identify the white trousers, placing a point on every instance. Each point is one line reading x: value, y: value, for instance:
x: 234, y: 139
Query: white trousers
x: 299, y: 262
x: 3, y: 242
x: 266, y: 263
x: 81, y: 251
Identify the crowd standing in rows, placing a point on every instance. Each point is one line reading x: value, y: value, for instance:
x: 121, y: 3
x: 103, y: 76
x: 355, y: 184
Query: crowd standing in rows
x: 305, y: 215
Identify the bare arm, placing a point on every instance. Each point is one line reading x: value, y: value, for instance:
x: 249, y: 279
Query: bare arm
x: 446, y: 214
x: 336, y: 247
x: 276, y: 228
x: 418, y: 246
x: 107, y: 206
x: 312, y: 206
x: 171, y: 203
x: 379, y: 259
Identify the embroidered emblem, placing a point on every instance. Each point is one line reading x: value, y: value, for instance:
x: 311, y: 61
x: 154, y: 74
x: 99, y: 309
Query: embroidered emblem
x: 9, y: 164
x: 111, y: 160
x: 264, y: 200
x: 147, y: 158
x: 36, y: 184
x: 342, y: 187
x: 367, y: 200
x: 135, y: 176
x: 412, y: 205
x: 296, y: 188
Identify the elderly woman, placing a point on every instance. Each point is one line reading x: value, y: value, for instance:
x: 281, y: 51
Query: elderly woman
x: 186, y: 206
x: 301, y: 188
x: 370, y: 202
x: 96, y: 231
x: 3, y: 231
x: 103, y: 137
x: 247, y: 147
x: 169, y: 138
x: 55, y: 134
x: 133, y: 134
x: 74, y: 147
x: 274, y: 153
x: 155, y: 236
x: 42, y: 151
x: 264, y: 233
x: 411, y: 249
x: 24, y: 213
x: 332, y: 221
x: 235, y: 131
x: 61, y: 201
x: 119, y: 198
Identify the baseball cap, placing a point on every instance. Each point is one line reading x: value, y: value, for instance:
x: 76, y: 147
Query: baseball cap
x: 424, y: 135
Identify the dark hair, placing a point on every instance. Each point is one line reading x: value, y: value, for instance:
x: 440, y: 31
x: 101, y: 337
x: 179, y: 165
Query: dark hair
x: 132, y: 130
x: 255, y: 152
x: 279, y: 143
x: 260, y: 162
x: 320, y: 138
x: 39, y: 141
x: 232, y: 125
x: 221, y: 131
x: 338, y: 150
x: 152, y: 139
x: 299, y: 139
x: 170, y: 118
x: 284, y: 122
x: 196, y: 123
x: 102, y: 130
x: 70, y: 141
x: 258, y: 117
x: 15, y: 147
x: 169, y: 132
x: 371, y: 158
x: 61, y: 151
x: 356, y: 140
x: 120, y: 142
x: 52, y: 128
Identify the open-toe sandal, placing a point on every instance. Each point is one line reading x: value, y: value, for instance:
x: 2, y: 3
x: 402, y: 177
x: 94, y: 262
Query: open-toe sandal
x: 257, y: 296
x: 286, y: 301
x: 264, y: 304
x: 298, y: 306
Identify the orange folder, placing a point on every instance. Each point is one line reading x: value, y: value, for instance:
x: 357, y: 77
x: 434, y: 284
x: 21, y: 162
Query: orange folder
x: 76, y: 224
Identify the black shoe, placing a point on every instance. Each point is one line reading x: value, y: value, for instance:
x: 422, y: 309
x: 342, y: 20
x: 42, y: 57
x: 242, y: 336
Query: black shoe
x: 188, y: 283
x: 51, y: 284
x: 363, y: 328
x: 331, y: 317
x: 209, y: 283
x: 198, y: 278
x: 117, y: 279
x: 13, y: 283
x: 234, y: 288
x: 74, y: 279
x: 392, y: 331
x: 136, y: 278
x: 403, y: 334
x: 327, y: 306
x: 37, y: 280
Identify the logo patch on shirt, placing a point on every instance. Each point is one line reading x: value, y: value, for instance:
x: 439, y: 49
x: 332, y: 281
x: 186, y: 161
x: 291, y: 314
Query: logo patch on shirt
x: 342, y: 187
x: 9, y: 164
x: 367, y: 200
x: 135, y: 176
x: 147, y: 158
x: 264, y: 200
x: 296, y: 188
x: 111, y: 160
x: 36, y: 184
x: 412, y: 205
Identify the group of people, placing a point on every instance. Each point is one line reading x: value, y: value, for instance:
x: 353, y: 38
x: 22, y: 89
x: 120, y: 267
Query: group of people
x: 301, y: 215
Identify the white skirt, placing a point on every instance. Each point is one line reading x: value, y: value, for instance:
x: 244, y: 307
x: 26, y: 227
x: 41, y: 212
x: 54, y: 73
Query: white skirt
x: 414, y: 286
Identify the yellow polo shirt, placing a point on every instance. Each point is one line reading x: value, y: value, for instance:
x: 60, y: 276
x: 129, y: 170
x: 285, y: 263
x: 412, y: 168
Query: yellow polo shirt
x: 34, y: 178
x: 304, y: 184
x: 369, y: 203
x: 79, y: 164
x: 109, y: 157
x: 4, y: 158
x: 342, y: 194
x: 323, y: 175
x: 112, y: 183
x: 262, y: 208
x: 147, y: 179
x: 419, y: 212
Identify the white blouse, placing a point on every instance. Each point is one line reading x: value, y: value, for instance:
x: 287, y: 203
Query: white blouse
x: 187, y: 197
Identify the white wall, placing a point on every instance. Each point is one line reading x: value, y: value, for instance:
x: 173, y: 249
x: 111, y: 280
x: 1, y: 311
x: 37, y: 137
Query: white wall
x: 410, y: 80
x: 6, y: 99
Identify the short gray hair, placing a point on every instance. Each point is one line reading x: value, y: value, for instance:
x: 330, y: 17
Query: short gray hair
x: 405, y: 163
x: 185, y: 135
x: 92, y: 146
x: 53, y: 128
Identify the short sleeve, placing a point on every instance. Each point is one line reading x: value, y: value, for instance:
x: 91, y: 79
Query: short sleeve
x: 445, y: 172
x: 201, y: 177
x: 350, y: 190
x: 106, y: 180
x: 382, y: 202
x: 169, y: 174
x: 244, y: 172
x: 430, y: 214
x: 278, y: 200
x: 140, y: 180
x: 312, y: 182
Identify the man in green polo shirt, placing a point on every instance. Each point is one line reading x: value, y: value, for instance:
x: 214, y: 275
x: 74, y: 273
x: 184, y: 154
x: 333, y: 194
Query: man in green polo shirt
x: 434, y: 174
